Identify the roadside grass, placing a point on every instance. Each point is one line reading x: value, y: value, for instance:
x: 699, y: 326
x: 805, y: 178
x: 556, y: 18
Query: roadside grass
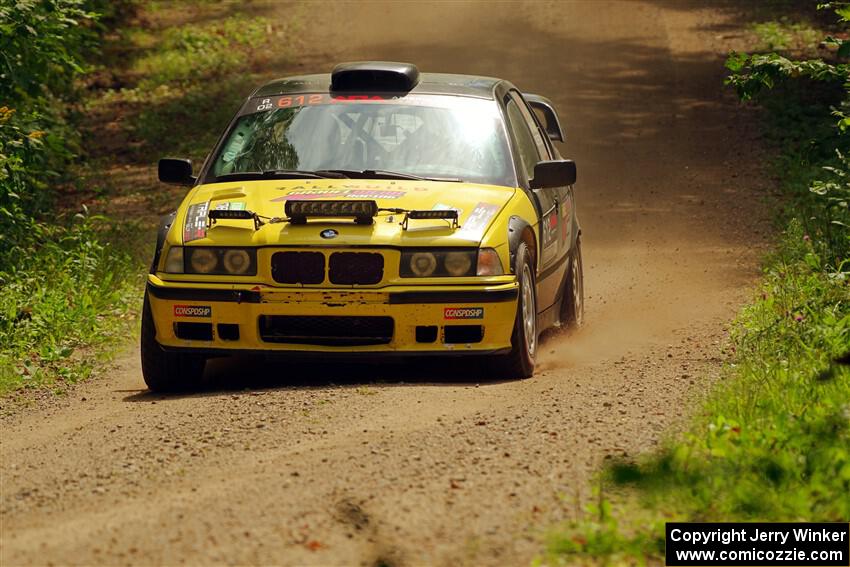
x: 784, y: 35
x: 772, y: 441
x: 66, y: 298
x: 181, y: 85
x: 72, y: 284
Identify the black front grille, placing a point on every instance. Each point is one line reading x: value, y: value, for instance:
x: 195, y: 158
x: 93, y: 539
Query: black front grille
x: 298, y: 267
x: 350, y: 268
x: 326, y: 330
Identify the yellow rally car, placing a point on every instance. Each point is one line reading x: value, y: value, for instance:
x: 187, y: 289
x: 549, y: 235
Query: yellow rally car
x: 372, y: 211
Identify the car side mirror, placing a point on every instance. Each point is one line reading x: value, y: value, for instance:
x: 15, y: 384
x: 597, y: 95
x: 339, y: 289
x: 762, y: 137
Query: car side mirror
x: 545, y: 107
x: 554, y: 173
x: 176, y: 171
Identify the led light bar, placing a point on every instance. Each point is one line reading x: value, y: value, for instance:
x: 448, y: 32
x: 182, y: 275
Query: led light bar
x: 449, y: 214
x: 445, y: 214
x: 217, y: 214
x: 361, y: 211
x: 224, y: 214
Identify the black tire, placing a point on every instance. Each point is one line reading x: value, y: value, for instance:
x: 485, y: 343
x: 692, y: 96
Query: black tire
x: 519, y: 363
x: 166, y: 371
x: 572, y: 302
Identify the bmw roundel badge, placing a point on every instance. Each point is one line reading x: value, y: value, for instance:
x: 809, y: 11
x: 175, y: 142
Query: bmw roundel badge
x: 328, y: 233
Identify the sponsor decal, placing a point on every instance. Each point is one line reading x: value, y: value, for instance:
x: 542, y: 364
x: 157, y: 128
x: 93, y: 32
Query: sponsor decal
x: 195, y: 226
x: 463, y: 313
x: 295, y: 101
x: 302, y: 194
x: 550, y: 228
x: 230, y: 206
x: 192, y: 311
x: 444, y: 207
x: 478, y: 220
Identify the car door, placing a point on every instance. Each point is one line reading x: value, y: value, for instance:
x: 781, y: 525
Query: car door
x: 566, y: 196
x: 532, y: 146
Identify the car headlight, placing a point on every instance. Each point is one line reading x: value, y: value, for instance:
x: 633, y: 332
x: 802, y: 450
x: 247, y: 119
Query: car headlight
x: 237, y: 261
x: 438, y: 263
x: 202, y: 260
x: 458, y: 263
x: 489, y: 263
x: 422, y: 264
x: 218, y: 261
x: 174, y: 260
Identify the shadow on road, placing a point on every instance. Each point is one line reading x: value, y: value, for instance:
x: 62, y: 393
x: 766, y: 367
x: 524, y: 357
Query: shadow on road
x: 250, y: 374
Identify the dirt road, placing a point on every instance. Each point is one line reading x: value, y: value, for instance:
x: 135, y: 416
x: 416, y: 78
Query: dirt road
x: 437, y: 465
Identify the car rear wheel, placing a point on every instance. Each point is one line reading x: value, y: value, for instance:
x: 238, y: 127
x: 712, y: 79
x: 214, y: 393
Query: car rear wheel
x: 572, y: 303
x: 166, y: 371
x: 519, y: 363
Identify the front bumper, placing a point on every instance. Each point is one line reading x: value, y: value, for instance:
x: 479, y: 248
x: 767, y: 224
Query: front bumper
x: 424, y: 319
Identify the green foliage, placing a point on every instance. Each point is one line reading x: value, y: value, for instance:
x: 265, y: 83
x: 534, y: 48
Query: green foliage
x: 600, y: 536
x: 42, y: 43
x: 751, y: 74
x: 783, y: 35
x: 68, y: 291
x: 814, y: 87
x: 189, y: 53
x: 58, y: 278
x: 777, y: 444
x: 194, y: 76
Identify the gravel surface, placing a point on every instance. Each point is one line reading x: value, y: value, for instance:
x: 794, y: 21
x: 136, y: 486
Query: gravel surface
x: 438, y: 464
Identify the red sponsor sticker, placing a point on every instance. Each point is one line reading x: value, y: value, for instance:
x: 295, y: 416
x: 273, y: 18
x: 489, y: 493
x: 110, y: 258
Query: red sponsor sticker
x: 463, y: 313
x: 192, y: 311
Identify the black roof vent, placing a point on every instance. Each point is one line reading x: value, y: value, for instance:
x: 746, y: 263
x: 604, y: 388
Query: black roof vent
x: 374, y: 76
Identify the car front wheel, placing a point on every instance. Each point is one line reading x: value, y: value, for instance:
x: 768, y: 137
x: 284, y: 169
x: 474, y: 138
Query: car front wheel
x: 165, y: 371
x: 519, y: 363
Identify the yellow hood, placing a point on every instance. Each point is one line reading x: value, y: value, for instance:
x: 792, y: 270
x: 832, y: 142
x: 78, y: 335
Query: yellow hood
x: 478, y: 207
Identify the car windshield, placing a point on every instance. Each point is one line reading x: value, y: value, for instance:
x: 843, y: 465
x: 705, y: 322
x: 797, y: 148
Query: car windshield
x: 431, y: 136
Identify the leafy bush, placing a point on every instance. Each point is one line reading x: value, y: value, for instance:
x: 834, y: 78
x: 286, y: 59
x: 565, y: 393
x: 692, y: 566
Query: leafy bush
x: 801, y: 86
x: 41, y: 50
x: 58, y: 278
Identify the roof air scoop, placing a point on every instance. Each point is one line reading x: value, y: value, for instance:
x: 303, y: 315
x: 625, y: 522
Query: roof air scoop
x: 374, y: 76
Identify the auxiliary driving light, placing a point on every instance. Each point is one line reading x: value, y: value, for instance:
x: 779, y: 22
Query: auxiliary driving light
x: 444, y: 214
x: 227, y: 214
x: 362, y: 211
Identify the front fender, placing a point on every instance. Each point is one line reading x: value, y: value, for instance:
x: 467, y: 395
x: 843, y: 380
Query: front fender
x: 516, y: 227
x: 165, y: 223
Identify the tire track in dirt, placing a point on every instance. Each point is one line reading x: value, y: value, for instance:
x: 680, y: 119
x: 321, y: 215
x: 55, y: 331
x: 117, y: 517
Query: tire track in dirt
x: 437, y: 465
